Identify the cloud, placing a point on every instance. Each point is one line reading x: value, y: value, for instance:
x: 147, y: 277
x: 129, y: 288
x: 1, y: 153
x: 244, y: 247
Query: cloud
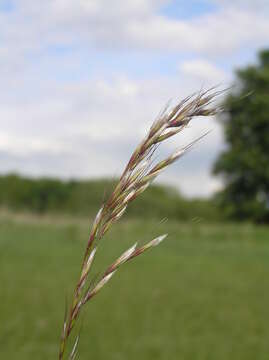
x: 257, y: 5
x: 188, y: 185
x: 67, y: 109
x: 203, y: 70
x: 137, y: 25
x: 90, y: 129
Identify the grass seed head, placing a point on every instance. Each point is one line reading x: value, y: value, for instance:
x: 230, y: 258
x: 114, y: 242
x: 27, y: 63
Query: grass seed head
x: 138, y: 174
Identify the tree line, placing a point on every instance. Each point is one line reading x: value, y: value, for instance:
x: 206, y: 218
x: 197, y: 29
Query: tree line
x: 83, y: 198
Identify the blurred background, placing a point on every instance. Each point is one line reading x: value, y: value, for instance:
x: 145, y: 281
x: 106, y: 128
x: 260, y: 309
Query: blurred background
x: 81, y: 82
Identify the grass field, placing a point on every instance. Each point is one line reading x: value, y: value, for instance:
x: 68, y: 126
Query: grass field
x: 203, y: 294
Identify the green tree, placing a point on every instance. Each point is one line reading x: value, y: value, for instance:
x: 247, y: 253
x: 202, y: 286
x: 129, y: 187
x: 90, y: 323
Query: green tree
x: 244, y: 164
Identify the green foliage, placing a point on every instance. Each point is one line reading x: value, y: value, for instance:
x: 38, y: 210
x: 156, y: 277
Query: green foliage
x: 37, y: 195
x: 85, y: 197
x: 244, y: 164
x: 202, y: 294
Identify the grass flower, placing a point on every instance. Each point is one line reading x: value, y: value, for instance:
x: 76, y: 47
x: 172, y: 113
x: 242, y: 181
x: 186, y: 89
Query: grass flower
x: 138, y: 174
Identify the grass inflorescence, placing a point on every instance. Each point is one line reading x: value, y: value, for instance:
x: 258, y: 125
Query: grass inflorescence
x: 138, y: 174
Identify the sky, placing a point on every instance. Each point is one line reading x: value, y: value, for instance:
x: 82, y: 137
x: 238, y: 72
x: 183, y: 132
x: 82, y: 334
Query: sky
x: 82, y: 80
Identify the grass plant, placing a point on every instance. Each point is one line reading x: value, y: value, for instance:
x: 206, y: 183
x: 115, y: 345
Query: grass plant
x: 138, y: 174
x: 202, y: 294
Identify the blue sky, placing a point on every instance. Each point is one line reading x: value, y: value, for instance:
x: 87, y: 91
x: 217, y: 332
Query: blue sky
x: 81, y: 80
x: 190, y: 9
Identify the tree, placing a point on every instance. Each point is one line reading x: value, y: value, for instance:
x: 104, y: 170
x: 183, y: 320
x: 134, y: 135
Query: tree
x: 244, y: 164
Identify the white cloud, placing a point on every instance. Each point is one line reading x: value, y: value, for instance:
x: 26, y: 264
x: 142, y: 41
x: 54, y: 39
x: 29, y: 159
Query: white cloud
x: 204, y: 71
x: 23, y: 146
x: 93, y: 126
x: 88, y: 127
x: 132, y: 25
x: 256, y: 5
x: 189, y: 185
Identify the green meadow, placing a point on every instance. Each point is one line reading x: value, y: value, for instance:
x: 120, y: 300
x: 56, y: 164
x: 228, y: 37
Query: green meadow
x: 203, y: 294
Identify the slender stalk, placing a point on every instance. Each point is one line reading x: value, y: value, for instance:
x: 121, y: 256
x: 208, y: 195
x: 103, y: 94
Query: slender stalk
x: 139, y: 172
